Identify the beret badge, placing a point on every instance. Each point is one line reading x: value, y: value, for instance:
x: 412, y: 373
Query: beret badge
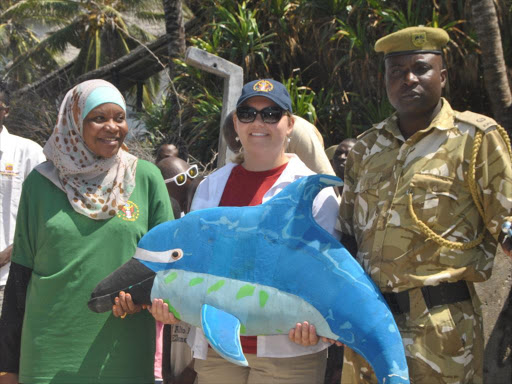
x: 419, y: 39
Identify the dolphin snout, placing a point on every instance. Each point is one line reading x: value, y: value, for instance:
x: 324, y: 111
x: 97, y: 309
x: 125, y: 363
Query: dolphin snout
x: 133, y: 277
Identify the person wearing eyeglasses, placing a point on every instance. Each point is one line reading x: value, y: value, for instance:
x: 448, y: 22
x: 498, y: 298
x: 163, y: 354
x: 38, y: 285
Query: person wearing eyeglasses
x: 305, y: 141
x: 180, y: 179
x: 263, y: 122
x: 173, y: 356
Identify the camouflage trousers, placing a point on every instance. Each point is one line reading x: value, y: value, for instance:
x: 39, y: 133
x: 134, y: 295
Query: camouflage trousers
x: 443, y: 344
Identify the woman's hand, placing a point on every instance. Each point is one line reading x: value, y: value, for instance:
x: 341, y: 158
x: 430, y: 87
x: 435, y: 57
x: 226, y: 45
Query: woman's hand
x: 124, y: 305
x: 160, y: 312
x: 305, y: 335
x: 332, y: 341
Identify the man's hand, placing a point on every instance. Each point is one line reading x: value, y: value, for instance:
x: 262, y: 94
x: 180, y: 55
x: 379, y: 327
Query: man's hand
x: 507, y: 246
x: 506, y: 242
x: 5, y: 255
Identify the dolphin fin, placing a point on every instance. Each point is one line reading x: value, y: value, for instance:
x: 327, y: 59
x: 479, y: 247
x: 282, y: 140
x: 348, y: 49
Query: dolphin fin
x: 300, y: 194
x: 222, y: 330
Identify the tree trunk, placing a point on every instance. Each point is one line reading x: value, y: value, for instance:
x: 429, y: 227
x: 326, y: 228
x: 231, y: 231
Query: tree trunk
x: 175, y: 28
x: 485, y: 22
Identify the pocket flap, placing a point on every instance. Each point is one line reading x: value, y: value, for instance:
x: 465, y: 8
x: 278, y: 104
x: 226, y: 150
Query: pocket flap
x: 437, y: 185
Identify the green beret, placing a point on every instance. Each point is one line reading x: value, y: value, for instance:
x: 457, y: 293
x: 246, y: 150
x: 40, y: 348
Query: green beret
x: 413, y: 40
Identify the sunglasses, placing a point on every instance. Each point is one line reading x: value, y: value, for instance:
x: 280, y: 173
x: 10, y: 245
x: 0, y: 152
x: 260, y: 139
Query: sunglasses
x: 269, y: 115
x: 181, y: 178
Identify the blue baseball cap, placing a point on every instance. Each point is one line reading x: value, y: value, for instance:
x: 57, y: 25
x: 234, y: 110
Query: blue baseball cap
x: 269, y: 88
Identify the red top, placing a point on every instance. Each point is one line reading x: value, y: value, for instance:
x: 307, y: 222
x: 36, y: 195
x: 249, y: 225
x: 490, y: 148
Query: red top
x: 245, y: 188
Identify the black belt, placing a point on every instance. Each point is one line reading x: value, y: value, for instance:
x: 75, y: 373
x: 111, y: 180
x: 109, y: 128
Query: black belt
x: 444, y: 293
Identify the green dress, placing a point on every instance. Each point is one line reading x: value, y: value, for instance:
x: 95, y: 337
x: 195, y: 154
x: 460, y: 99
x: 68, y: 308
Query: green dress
x: 62, y: 340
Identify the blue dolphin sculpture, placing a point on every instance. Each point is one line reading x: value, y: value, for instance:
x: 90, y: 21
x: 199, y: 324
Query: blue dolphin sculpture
x: 258, y: 271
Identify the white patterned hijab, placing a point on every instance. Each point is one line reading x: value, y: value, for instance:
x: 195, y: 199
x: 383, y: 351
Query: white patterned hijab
x: 96, y: 187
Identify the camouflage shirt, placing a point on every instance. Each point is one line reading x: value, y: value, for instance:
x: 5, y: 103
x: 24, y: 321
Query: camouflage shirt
x: 383, y: 168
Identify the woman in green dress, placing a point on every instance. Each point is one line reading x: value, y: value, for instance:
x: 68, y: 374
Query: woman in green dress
x: 81, y: 215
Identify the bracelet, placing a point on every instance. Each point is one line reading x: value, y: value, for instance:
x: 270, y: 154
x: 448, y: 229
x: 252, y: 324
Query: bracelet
x: 3, y: 373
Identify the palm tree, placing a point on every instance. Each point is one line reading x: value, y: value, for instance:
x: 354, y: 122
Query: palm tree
x: 174, y: 26
x: 485, y: 22
x: 102, y: 30
x: 16, y: 39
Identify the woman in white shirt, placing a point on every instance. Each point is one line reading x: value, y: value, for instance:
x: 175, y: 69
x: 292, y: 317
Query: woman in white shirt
x: 263, y: 123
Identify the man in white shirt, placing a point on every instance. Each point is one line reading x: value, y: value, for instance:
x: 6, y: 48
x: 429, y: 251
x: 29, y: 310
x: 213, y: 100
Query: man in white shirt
x: 18, y: 156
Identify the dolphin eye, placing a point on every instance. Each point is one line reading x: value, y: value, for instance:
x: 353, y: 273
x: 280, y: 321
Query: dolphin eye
x: 176, y: 254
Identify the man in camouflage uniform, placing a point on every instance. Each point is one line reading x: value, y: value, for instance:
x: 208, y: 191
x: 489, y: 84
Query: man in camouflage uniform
x: 407, y: 204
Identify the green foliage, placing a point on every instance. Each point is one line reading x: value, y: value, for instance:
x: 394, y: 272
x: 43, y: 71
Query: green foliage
x: 239, y: 36
x: 321, y: 49
x: 99, y: 29
x: 302, y: 98
x: 196, y: 118
x: 17, y: 40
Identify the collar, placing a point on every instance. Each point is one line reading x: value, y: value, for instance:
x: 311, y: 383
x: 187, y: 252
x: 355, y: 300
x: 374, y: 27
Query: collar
x: 295, y: 169
x: 443, y: 121
x: 445, y: 118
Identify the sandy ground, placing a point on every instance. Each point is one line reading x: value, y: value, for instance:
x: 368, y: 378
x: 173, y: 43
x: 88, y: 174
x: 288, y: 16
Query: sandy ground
x: 496, y: 296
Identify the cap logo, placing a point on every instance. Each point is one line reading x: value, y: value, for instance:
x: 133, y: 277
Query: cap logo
x: 419, y: 39
x: 263, y: 86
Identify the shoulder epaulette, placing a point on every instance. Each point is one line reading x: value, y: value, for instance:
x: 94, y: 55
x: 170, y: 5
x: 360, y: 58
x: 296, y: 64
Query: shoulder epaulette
x: 367, y: 132
x: 482, y: 122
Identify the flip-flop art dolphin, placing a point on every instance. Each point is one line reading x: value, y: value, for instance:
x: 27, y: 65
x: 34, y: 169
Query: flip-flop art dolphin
x: 258, y: 271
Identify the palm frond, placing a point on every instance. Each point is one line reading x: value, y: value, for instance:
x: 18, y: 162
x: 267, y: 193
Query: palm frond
x: 45, y: 11
x: 150, y: 16
x: 140, y: 33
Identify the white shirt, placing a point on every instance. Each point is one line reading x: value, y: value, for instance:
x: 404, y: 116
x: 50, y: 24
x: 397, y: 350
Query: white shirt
x: 325, y: 212
x: 18, y: 156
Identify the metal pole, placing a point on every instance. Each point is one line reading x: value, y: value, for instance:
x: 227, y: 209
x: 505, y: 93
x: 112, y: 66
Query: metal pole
x: 233, y: 81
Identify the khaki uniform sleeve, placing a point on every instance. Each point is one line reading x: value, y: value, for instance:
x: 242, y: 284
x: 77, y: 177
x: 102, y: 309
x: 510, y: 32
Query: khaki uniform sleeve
x: 346, y: 213
x: 494, y: 177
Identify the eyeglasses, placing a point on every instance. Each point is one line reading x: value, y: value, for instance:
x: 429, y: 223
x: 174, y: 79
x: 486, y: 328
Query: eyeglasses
x: 269, y: 115
x: 181, y: 178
